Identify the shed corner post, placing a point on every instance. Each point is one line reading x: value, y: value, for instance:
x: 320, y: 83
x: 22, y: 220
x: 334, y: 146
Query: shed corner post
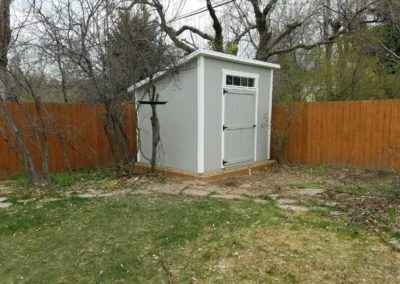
x: 200, y: 114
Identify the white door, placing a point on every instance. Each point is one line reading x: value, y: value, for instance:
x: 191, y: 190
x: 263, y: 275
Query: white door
x: 239, y: 119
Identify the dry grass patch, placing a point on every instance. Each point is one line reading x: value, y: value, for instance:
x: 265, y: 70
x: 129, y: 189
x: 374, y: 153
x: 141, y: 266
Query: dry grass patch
x: 281, y: 255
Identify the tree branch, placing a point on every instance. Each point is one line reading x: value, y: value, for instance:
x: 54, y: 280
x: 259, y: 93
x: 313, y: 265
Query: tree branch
x: 303, y: 46
x: 169, y: 30
x: 195, y: 31
x: 218, y: 40
x: 289, y: 29
x: 269, y: 7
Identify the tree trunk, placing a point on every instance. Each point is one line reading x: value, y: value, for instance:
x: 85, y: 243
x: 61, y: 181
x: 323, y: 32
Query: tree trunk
x: 23, y: 152
x: 5, y: 37
x: 116, y: 134
x: 155, y: 126
x: 5, y: 32
x: 328, y: 48
x: 45, y: 158
x: 263, y: 50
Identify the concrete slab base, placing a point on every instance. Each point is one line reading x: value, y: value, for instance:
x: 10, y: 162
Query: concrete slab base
x: 226, y: 172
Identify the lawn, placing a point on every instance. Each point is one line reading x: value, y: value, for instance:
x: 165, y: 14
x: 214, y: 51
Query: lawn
x: 163, y: 238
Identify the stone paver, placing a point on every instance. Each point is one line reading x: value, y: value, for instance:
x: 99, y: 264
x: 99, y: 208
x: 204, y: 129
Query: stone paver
x: 229, y: 196
x: 195, y: 192
x: 395, y: 244
x: 4, y: 205
x: 260, y: 201
x: 284, y: 201
x: 294, y: 208
x: 309, y: 191
x: 331, y: 203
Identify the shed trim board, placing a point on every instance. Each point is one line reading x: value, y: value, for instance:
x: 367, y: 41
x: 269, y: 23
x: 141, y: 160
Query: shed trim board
x: 200, y: 114
x: 269, y: 130
x: 255, y: 89
x: 138, y: 153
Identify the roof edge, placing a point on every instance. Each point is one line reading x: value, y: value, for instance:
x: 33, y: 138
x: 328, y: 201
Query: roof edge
x: 234, y: 58
x: 210, y: 54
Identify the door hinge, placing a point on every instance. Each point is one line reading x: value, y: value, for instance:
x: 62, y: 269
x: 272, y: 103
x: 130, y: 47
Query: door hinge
x: 224, y: 127
x: 224, y: 162
x: 225, y: 91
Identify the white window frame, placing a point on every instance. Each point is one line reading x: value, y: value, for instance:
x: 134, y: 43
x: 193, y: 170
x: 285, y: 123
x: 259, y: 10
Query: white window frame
x: 255, y: 76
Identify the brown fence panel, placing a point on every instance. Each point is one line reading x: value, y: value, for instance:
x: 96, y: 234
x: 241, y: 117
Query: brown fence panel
x: 362, y: 134
x: 76, y: 136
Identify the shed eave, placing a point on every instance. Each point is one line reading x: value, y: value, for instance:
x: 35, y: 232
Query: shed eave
x: 210, y: 54
x: 236, y: 59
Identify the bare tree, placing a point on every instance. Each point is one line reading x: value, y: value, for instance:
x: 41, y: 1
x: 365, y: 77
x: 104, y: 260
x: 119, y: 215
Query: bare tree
x: 112, y: 46
x: 77, y: 31
x: 262, y: 24
x: 5, y: 89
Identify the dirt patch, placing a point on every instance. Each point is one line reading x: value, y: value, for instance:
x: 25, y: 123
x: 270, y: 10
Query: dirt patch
x: 367, y: 198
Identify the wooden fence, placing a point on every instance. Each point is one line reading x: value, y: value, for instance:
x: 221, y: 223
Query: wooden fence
x: 363, y: 134
x: 77, y: 137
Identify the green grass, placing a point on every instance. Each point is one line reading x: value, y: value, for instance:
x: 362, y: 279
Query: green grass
x: 67, y: 179
x: 318, y: 170
x: 161, y: 239
x: 70, y: 178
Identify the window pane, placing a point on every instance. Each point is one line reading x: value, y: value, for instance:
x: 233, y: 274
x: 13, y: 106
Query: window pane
x: 251, y: 82
x: 229, y: 80
x: 236, y: 81
x: 243, y: 82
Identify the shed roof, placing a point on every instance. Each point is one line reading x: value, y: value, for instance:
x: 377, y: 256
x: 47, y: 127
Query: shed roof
x: 215, y: 55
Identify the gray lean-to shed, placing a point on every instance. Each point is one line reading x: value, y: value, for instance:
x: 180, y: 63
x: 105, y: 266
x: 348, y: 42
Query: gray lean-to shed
x: 217, y: 116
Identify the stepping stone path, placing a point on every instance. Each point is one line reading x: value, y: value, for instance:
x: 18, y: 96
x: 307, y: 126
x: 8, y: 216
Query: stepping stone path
x: 202, y: 189
x: 4, y: 204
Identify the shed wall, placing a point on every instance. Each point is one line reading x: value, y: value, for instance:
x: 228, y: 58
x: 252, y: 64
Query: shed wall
x: 177, y: 120
x: 213, y: 105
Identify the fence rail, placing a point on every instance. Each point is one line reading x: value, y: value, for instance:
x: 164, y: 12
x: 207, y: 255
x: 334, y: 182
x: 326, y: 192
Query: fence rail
x: 363, y: 134
x: 76, y: 132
